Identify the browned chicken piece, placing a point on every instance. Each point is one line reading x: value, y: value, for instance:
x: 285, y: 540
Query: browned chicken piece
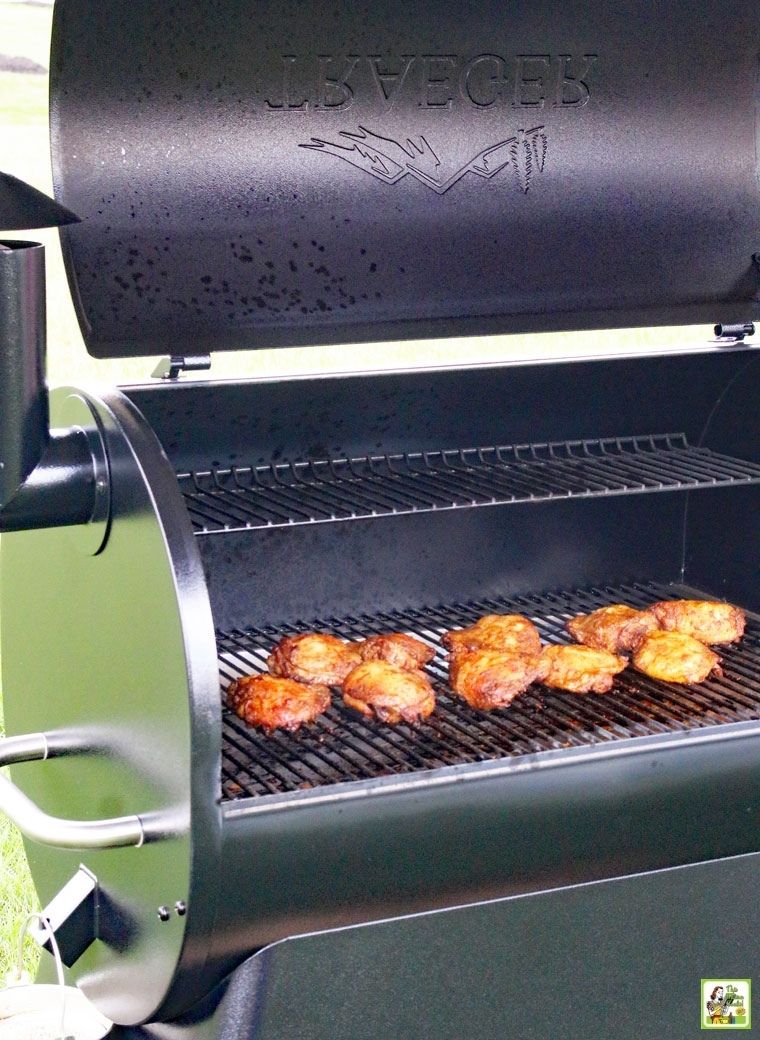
x: 397, y: 648
x: 314, y: 658
x: 616, y: 628
x: 511, y: 633
x: 703, y: 620
x: 489, y: 679
x: 389, y: 693
x: 581, y: 669
x: 271, y: 703
x: 675, y: 657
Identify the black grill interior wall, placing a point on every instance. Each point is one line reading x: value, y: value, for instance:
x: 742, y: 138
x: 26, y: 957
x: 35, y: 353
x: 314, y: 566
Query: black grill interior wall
x: 392, y: 563
x: 722, y: 542
x: 249, y: 423
x: 557, y: 533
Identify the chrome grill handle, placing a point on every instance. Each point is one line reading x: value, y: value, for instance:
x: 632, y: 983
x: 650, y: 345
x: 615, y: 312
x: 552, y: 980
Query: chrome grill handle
x: 121, y: 832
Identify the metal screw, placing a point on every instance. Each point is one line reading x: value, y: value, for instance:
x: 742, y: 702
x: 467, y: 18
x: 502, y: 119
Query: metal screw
x: 180, y: 908
x: 163, y: 914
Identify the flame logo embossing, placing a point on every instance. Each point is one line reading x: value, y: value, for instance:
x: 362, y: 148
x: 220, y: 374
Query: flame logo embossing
x: 389, y: 160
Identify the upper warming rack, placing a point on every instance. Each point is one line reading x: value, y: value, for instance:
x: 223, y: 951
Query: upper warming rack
x: 318, y: 491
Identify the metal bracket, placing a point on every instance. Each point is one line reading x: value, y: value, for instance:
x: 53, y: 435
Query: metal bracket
x: 173, y: 366
x: 72, y: 916
x: 735, y: 333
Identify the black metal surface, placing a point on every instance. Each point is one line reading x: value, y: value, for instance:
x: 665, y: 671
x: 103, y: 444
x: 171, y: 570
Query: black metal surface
x: 310, y: 571
x: 61, y: 490
x: 221, y: 424
x: 23, y: 394
x: 341, y: 746
x: 46, y: 479
x: 740, y: 331
x: 270, y: 173
x: 622, y: 958
x: 72, y: 917
x: 721, y: 551
x: 23, y: 207
x: 249, y: 497
x: 116, y: 648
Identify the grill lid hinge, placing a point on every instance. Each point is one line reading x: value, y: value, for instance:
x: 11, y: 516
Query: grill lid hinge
x: 734, y: 333
x: 173, y: 366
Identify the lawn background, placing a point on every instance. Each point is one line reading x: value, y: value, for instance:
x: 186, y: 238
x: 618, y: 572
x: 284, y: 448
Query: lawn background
x: 25, y: 32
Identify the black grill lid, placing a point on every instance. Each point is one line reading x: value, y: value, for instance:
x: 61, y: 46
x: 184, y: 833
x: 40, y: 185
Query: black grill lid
x: 255, y: 173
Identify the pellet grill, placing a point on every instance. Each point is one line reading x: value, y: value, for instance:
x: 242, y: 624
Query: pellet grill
x: 259, y: 174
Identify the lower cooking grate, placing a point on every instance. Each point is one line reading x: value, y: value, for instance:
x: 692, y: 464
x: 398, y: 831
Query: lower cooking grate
x: 341, y: 746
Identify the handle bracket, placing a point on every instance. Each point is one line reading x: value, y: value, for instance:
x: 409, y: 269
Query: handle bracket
x: 71, y: 917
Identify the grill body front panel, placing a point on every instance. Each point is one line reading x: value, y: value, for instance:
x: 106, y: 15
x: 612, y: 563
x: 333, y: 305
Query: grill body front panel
x: 294, y: 864
x: 577, y: 961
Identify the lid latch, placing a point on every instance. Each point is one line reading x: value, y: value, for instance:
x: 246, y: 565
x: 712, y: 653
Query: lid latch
x: 173, y: 366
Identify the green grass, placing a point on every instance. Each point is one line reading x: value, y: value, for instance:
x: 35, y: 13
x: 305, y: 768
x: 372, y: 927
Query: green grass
x: 17, y: 897
x: 23, y: 99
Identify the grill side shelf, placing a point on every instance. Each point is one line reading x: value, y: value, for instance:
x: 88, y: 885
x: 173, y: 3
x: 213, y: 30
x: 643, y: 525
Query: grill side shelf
x: 342, y: 747
x: 329, y: 490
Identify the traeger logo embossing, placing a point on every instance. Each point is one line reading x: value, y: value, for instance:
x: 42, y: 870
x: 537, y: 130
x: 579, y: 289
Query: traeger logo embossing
x: 390, y: 160
x: 435, y: 82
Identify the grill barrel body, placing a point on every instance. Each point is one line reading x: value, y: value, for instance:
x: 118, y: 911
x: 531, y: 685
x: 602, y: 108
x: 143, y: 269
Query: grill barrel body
x: 467, y: 833
x: 557, y: 791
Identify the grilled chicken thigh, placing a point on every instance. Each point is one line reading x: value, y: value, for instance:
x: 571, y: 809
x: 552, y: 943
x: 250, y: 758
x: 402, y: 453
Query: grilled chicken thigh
x: 272, y: 703
x: 675, y: 657
x: 397, y: 648
x: 511, y: 633
x: 491, y: 678
x: 703, y: 620
x: 314, y: 658
x: 616, y: 628
x: 580, y: 669
x: 389, y: 693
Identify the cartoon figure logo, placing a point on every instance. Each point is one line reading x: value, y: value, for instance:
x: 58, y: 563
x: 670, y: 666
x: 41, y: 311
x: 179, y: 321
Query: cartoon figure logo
x: 389, y: 160
x: 726, y: 1004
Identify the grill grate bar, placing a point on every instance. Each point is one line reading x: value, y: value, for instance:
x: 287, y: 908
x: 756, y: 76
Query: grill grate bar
x: 326, y: 490
x: 342, y: 746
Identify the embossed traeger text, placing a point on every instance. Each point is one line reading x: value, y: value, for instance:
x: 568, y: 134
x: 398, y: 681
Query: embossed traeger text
x: 333, y: 82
